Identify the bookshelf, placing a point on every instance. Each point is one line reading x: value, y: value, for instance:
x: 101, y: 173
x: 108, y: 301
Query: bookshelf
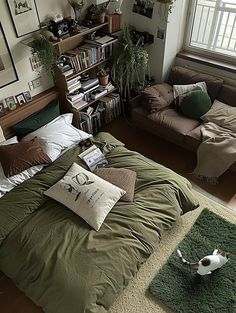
x: 81, y: 63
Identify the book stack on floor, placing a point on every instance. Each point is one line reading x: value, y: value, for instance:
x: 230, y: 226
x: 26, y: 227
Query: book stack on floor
x: 105, y: 110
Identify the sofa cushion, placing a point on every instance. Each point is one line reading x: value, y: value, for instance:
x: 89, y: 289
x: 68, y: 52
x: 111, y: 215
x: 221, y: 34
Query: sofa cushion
x: 183, y: 76
x: 157, y: 97
x: 195, y: 103
x: 227, y: 95
x: 179, y: 90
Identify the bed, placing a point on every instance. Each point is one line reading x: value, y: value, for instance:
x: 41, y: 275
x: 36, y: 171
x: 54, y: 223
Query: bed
x: 59, y: 261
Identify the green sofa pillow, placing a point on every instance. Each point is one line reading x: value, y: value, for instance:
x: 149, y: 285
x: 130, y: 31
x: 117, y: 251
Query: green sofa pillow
x: 195, y: 103
x: 38, y: 119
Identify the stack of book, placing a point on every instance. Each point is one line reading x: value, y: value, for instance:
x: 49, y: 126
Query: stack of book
x: 107, y: 109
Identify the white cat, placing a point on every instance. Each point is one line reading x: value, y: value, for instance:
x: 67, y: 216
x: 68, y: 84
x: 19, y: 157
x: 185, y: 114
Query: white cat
x: 209, y: 263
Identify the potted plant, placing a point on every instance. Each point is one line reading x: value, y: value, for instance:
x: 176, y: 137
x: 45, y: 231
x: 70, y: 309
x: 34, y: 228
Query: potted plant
x: 45, y: 51
x: 130, y: 64
x: 103, y: 76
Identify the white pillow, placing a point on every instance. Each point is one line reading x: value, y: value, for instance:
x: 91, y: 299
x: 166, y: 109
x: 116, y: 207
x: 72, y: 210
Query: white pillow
x: 181, y: 89
x: 221, y: 114
x: 58, y: 135
x: 7, y: 184
x: 86, y: 194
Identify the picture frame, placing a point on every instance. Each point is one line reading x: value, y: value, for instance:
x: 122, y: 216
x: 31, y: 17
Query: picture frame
x: 10, y: 103
x: 24, y: 15
x: 27, y: 96
x: 8, y: 74
x: 20, y: 99
x: 2, y: 109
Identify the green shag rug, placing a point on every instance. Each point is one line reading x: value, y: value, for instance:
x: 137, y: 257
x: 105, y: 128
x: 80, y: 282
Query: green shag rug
x: 181, y: 289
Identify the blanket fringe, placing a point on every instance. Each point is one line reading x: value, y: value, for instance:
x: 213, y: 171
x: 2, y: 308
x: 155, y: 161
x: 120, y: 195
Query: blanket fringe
x: 210, y: 180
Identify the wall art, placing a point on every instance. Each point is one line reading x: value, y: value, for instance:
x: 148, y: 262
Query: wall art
x: 24, y: 16
x: 8, y: 73
x: 143, y: 7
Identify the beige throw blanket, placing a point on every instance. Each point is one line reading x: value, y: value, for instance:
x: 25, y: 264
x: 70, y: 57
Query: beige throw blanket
x: 216, y: 153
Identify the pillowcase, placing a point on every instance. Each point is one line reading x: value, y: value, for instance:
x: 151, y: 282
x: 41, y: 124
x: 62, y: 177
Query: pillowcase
x: 89, y: 196
x: 157, y: 97
x: 58, y: 135
x: 17, y: 157
x: 194, y: 104
x: 120, y: 177
x: 221, y: 114
x: 182, y: 89
x: 2, y: 137
x: 37, y: 120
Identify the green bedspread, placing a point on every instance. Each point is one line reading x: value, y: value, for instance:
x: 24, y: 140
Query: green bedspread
x: 62, y: 264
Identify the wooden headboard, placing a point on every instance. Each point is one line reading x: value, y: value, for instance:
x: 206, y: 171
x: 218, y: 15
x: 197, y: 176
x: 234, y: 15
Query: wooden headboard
x: 38, y: 102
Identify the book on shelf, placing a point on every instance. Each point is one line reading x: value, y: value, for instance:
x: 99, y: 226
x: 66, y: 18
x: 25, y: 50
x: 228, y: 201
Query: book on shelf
x: 68, y: 72
x: 98, y: 92
x: 74, y: 87
x: 89, y: 84
x: 79, y: 104
x: 114, y: 23
x: 75, y: 96
x: 74, y: 80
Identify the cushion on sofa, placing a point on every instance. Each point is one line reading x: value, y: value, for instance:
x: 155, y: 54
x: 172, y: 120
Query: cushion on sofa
x: 195, y: 103
x: 221, y: 114
x: 157, y: 97
x: 179, y: 90
x: 183, y: 76
x: 227, y: 95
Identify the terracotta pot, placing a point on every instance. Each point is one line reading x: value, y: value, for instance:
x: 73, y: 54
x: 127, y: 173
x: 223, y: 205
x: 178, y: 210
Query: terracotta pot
x: 103, y: 80
x: 101, y: 18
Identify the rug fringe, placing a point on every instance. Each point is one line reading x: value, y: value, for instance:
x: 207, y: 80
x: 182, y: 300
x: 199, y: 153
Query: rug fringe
x: 210, y: 180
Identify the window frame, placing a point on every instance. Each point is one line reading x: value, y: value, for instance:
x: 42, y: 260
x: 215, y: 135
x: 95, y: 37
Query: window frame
x: 196, y: 50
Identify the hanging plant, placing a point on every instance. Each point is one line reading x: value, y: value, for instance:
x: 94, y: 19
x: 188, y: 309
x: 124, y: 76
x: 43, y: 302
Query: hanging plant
x: 130, y: 64
x: 46, y: 53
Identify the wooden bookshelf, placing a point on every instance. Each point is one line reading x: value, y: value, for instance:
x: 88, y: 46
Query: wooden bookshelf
x: 71, y: 42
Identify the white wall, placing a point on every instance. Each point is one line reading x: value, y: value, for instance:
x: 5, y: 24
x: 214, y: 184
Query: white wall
x: 21, y: 53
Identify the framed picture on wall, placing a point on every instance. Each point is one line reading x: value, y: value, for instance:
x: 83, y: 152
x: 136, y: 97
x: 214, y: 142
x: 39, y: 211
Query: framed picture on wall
x: 8, y: 73
x: 24, y: 15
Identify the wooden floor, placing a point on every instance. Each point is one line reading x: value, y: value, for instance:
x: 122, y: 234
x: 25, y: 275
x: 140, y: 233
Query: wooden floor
x: 170, y: 155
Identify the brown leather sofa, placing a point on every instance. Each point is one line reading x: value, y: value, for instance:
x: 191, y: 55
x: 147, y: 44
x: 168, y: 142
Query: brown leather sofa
x: 172, y: 125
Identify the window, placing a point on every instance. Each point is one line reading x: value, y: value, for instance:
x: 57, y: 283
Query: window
x: 212, y: 27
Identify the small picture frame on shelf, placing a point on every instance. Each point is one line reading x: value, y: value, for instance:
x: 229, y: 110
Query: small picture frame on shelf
x: 10, y: 103
x: 2, y: 109
x: 27, y: 96
x: 20, y: 99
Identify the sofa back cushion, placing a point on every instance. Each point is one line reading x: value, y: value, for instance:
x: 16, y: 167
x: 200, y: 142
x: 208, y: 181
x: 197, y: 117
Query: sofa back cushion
x: 228, y: 95
x: 183, y: 76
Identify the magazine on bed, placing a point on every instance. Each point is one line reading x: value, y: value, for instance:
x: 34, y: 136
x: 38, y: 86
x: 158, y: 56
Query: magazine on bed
x: 94, y: 158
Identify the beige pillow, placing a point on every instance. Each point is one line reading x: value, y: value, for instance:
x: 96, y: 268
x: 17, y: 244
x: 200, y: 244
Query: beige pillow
x: 86, y: 194
x: 157, y: 97
x: 221, y: 114
x: 120, y: 177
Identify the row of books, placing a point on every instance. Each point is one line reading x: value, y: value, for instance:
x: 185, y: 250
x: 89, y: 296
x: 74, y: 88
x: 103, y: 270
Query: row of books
x: 89, y: 90
x: 86, y: 55
x: 105, y: 110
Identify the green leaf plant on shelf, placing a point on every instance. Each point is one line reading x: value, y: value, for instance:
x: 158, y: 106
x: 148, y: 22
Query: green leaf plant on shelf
x: 166, y: 8
x: 45, y: 51
x: 130, y: 64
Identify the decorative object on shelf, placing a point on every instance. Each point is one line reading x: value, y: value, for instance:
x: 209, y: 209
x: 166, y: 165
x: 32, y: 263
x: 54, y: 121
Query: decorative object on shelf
x: 143, y: 7
x: 27, y: 96
x: 103, y: 75
x: 114, y: 6
x: 2, y: 109
x: 20, y: 99
x: 10, y: 103
x: 77, y: 6
x: 101, y: 17
x: 130, y: 64
x: 166, y: 7
x: 8, y: 72
x: 60, y: 28
x: 24, y: 16
x: 44, y: 48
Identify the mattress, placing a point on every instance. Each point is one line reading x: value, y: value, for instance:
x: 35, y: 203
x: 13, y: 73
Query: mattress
x: 59, y: 261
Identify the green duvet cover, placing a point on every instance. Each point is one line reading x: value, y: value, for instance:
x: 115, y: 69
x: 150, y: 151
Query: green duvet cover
x: 62, y: 264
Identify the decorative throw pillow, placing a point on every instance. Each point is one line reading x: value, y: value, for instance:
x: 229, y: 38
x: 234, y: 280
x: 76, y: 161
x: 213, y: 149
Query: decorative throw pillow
x: 221, y: 114
x: 86, y: 194
x: 157, y: 97
x: 37, y: 120
x: 195, y: 103
x: 179, y: 90
x: 120, y: 177
x: 15, y: 158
